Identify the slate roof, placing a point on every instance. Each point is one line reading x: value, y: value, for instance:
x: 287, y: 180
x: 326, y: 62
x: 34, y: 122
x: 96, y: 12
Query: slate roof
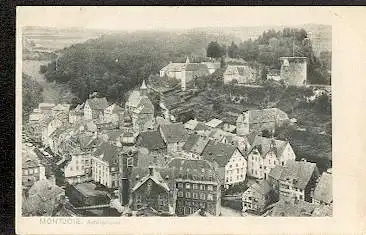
x: 323, y: 191
x: 218, y: 134
x: 114, y: 108
x: 263, y: 145
x: 196, y: 66
x: 138, y: 174
x: 218, y: 152
x: 146, y: 105
x: 299, y: 172
x: 156, y: 177
x: 134, y: 98
x: 109, y: 152
x: 261, y: 187
x: 275, y: 172
x: 214, y: 123
x: 151, y: 140
x: 195, y: 144
x: 88, y: 189
x: 97, y: 103
x: 288, y: 207
x: 45, y: 190
x: 113, y: 134
x: 197, y: 170
x: 174, y: 132
x: 264, y: 115
x: 174, y: 67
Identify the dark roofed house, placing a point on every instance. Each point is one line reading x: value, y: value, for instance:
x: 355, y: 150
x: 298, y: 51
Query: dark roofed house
x: 323, y: 193
x: 257, y: 197
x: 260, y: 120
x: 228, y: 157
x: 151, y: 145
x: 195, y: 145
x: 241, y: 73
x: 87, y: 194
x: 174, y: 135
x: 290, y: 207
x: 106, y: 165
x: 296, y: 179
x: 94, y: 107
x: 43, y: 199
x: 198, y: 186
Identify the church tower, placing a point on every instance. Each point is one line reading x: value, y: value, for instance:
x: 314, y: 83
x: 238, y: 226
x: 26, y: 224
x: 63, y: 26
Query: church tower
x: 143, y: 89
x: 187, y: 60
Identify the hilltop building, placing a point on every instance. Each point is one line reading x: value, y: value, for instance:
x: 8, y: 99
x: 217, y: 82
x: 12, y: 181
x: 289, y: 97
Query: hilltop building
x: 187, y: 71
x: 294, y: 70
x: 241, y: 73
x: 260, y: 120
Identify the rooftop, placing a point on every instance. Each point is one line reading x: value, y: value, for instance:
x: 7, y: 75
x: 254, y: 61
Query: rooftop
x: 263, y: 145
x: 89, y: 190
x: 323, y: 191
x: 151, y: 140
x: 174, y: 132
x: 97, y: 103
x: 218, y: 152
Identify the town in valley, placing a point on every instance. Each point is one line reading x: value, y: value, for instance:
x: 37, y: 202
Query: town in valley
x: 186, y: 123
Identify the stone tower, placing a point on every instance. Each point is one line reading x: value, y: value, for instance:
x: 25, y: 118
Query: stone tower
x: 294, y: 70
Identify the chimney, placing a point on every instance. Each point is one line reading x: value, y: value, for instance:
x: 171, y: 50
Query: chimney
x: 151, y: 171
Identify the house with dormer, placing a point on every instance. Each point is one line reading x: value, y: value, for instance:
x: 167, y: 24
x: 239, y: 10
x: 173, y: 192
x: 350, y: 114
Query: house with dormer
x: 229, y: 159
x: 94, y: 108
x: 265, y: 154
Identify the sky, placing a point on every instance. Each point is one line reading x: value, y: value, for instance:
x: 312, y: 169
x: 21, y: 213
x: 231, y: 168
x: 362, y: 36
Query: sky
x: 143, y: 18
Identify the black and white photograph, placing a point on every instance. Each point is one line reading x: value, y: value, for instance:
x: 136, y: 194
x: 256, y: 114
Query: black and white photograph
x: 175, y: 112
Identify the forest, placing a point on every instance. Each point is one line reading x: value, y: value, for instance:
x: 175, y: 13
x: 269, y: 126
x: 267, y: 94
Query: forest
x: 32, y: 95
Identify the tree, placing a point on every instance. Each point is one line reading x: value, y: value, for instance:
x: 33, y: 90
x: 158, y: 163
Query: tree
x: 32, y: 95
x: 214, y: 50
x: 233, y: 50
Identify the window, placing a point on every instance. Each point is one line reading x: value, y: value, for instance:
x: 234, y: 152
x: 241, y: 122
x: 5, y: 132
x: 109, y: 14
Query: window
x: 202, y: 187
x: 195, y: 195
x: 77, y: 168
x: 188, y: 185
x: 210, y: 197
x: 227, y: 179
x: 86, y: 162
x: 237, y: 171
x: 300, y: 197
x: 180, y: 185
x: 180, y: 194
x: 209, y: 188
x: 195, y: 186
x: 25, y: 172
x: 188, y: 194
x: 202, y: 196
x: 30, y: 171
x: 231, y: 166
x: 138, y: 198
x: 237, y: 177
x: 36, y: 170
x: 237, y: 165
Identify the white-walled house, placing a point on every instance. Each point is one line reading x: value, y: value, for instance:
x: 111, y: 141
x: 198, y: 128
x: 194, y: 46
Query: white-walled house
x: 94, y: 108
x: 105, y: 166
x: 265, y: 154
x: 229, y: 158
x: 112, y: 113
x: 78, y: 168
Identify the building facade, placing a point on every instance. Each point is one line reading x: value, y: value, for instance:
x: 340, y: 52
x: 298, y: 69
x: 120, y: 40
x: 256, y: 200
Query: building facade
x: 294, y: 70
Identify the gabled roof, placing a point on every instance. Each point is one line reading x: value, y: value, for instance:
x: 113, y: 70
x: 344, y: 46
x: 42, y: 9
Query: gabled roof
x: 138, y: 173
x: 261, y: 187
x: 198, y: 170
x: 191, y: 124
x: 109, y: 153
x: 195, y: 144
x: 218, y: 134
x: 214, y: 123
x: 263, y: 145
x: 146, y: 105
x: 113, y: 134
x: 196, y: 66
x: 134, y: 98
x: 323, y: 191
x: 114, y: 108
x: 46, y: 190
x: 174, y: 67
x: 97, y: 103
x: 299, y: 172
x: 218, y: 152
x: 156, y: 177
x: 174, y: 132
x: 288, y: 207
x: 151, y: 140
